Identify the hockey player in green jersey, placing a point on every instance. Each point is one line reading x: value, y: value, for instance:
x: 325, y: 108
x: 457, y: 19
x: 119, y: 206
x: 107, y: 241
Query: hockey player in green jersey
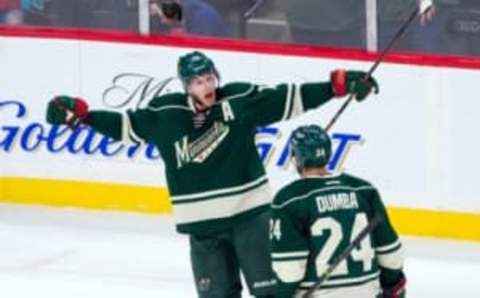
x: 316, y: 217
x: 217, y: 182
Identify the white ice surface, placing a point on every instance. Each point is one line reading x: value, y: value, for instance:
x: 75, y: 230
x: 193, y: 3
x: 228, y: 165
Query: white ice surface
x: 58, y: 253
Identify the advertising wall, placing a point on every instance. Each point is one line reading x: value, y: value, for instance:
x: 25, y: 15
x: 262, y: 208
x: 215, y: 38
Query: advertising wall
x: 416, y: 140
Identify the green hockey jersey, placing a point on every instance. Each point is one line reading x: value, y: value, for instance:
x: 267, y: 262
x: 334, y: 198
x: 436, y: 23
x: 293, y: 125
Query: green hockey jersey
x: 314, y: 219
x: 214, y: 173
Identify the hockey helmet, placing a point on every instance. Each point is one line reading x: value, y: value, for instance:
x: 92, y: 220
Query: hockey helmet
x: 311, y: 146
x: 195, y: 64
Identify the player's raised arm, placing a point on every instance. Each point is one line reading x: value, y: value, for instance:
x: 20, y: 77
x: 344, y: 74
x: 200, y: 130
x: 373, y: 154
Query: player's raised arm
x: 127, y: 127
x: 286, y: 101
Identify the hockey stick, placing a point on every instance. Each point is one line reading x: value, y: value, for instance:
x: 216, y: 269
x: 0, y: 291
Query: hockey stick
x: 377, y: 219
x: 423, y: 8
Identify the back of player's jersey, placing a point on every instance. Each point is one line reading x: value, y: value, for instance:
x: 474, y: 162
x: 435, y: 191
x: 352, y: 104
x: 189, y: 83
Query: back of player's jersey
x: 315, y: 219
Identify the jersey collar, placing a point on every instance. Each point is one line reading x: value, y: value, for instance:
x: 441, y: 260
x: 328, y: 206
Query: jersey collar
x: 332, y: 175
x: 191, y: 104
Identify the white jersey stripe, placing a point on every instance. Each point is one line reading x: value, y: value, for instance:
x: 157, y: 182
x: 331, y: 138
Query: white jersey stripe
x: 288, y: 102
x: 340, y: 187
x: 223, y: 207
x: 125, y: 127
x: 393, y: 260
x: 292, y: 254
x: 298, y: 108
x: 128, y: 135
x: 388, y: 247
x: 170, y: 107
x: 344, y: 281
x: 368, y: 289
x: 250, y: 89
x: 223, y: 191
x: 290, y: 271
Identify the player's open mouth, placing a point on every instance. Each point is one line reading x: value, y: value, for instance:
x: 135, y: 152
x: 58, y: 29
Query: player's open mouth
x: 209, y: 96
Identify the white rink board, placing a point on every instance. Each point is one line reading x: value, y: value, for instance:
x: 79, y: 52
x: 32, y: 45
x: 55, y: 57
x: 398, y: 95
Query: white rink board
x: 417, y: 137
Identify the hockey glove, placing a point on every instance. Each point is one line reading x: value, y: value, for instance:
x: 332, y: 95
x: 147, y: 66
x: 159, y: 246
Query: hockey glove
x: 352, y: 82
x: 67, y: 110
x: 396, y: 291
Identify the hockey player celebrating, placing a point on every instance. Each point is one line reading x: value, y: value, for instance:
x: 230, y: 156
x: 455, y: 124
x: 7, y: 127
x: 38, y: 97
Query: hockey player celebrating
x: 217, y: 182
x: 316, y: 217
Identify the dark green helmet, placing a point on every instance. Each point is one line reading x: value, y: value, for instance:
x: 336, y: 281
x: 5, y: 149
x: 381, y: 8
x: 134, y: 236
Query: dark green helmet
x: 195, y: 64
x: 311, y: 146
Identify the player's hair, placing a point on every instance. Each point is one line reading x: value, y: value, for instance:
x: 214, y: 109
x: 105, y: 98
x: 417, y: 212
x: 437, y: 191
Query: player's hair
x: 170, y: 9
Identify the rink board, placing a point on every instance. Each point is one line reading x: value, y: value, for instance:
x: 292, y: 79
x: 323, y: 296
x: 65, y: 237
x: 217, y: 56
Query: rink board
x: 155, y: 200
x: 415, y: 141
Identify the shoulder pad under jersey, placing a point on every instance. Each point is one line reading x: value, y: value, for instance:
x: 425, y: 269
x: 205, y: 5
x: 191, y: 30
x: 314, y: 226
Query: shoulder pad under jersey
x: 288, y: 192
x: 169, y: 100
x: 236, y: 90
x: 355, y: 181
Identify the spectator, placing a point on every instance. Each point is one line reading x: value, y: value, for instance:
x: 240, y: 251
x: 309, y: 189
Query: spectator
x: 452, y: 26
x: 10, y: 13
x: 427, y: 32
x: 339, y: 23
x: 186, y: 17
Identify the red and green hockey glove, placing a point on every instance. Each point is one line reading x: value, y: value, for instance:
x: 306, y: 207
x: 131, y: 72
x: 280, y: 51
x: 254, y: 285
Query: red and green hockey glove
x: 67, y: 110
x: 352, y: 82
